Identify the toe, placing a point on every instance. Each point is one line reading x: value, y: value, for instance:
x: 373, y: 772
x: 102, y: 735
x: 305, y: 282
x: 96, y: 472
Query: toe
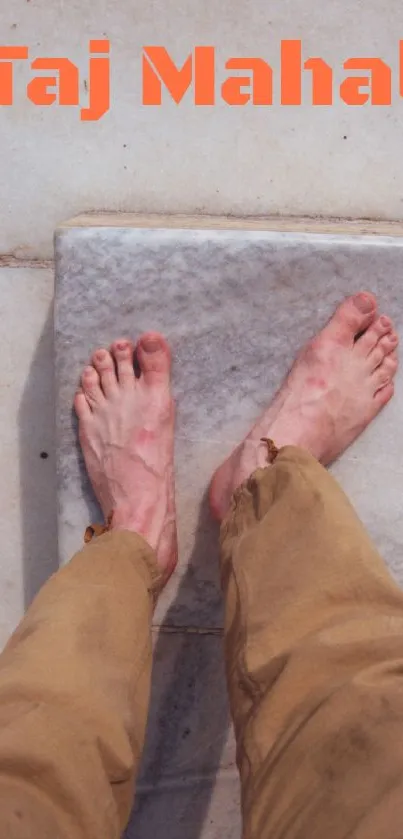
x: 105, y: 367
x: 385, y: 346
x: 92, y: 387
x: 369, y: 339
x: 123, y: 351
x: 384, y: 395
x: 154, y: 357
x: 350, y: 318
x: 81, y: 406
x: 385, y: 373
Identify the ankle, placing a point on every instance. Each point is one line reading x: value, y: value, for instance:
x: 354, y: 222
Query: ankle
x: 125, y: 518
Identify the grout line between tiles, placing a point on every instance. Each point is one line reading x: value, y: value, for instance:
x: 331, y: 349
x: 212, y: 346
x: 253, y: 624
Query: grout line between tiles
x: 351, y: 227
x: 8, y: 260
x: 272, y: 223
x: 168, y: 629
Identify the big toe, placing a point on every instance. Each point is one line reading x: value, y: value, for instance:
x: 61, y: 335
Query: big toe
x: 352, y: 317
x: 154, y: 357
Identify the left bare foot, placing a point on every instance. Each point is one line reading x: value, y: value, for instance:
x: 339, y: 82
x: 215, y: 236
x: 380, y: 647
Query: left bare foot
x: 338, y: 384
x: 126, y: 430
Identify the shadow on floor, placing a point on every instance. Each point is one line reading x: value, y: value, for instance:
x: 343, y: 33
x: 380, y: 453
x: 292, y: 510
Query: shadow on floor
x: 38, y: 467
x: 188, y: 724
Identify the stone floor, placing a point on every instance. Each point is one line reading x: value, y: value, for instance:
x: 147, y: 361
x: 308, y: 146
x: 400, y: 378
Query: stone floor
x: 331, y: 161
x: 28, y: 488
x: 235, y: 305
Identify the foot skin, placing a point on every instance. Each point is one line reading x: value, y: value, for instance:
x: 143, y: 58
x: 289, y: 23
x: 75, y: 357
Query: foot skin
x: 126, y: 431
x: 338, y: 384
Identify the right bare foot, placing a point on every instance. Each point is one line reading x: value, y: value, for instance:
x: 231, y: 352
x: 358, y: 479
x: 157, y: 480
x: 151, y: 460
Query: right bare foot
x: 126, y: 430
x: 337, y: 385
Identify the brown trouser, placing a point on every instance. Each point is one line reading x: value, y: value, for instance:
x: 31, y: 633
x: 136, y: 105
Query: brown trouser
x: 314, y: 649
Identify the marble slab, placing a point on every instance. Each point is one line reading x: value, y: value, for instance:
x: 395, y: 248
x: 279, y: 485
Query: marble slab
x: 236, y: 305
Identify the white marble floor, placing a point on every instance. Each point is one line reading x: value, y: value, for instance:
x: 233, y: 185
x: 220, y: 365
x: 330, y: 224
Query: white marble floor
x: 235, y: 306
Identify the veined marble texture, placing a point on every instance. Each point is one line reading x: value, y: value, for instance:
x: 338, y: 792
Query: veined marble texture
x: 235, y: 306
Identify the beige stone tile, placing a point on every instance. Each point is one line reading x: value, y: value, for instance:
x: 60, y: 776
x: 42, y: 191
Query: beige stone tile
x: 338, y: 161
x: 27, y: 486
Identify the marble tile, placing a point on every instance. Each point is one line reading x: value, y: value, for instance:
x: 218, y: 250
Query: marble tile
x: 28, y: 534
x: 193, y: 809
x: 333, y: 161
x: 188, y: 788
x: 235, y: 306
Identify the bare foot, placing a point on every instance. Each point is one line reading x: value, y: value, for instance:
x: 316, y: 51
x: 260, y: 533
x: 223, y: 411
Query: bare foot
x: 126, y: 430
x: 338, y: 384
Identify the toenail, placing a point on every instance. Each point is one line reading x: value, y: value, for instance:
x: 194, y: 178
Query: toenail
x: 89, y: 371
x: 150, y: 344
x: 122, y: 345
x: 385, y: 321
x: 100, y: 355
x: 363, y: 303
